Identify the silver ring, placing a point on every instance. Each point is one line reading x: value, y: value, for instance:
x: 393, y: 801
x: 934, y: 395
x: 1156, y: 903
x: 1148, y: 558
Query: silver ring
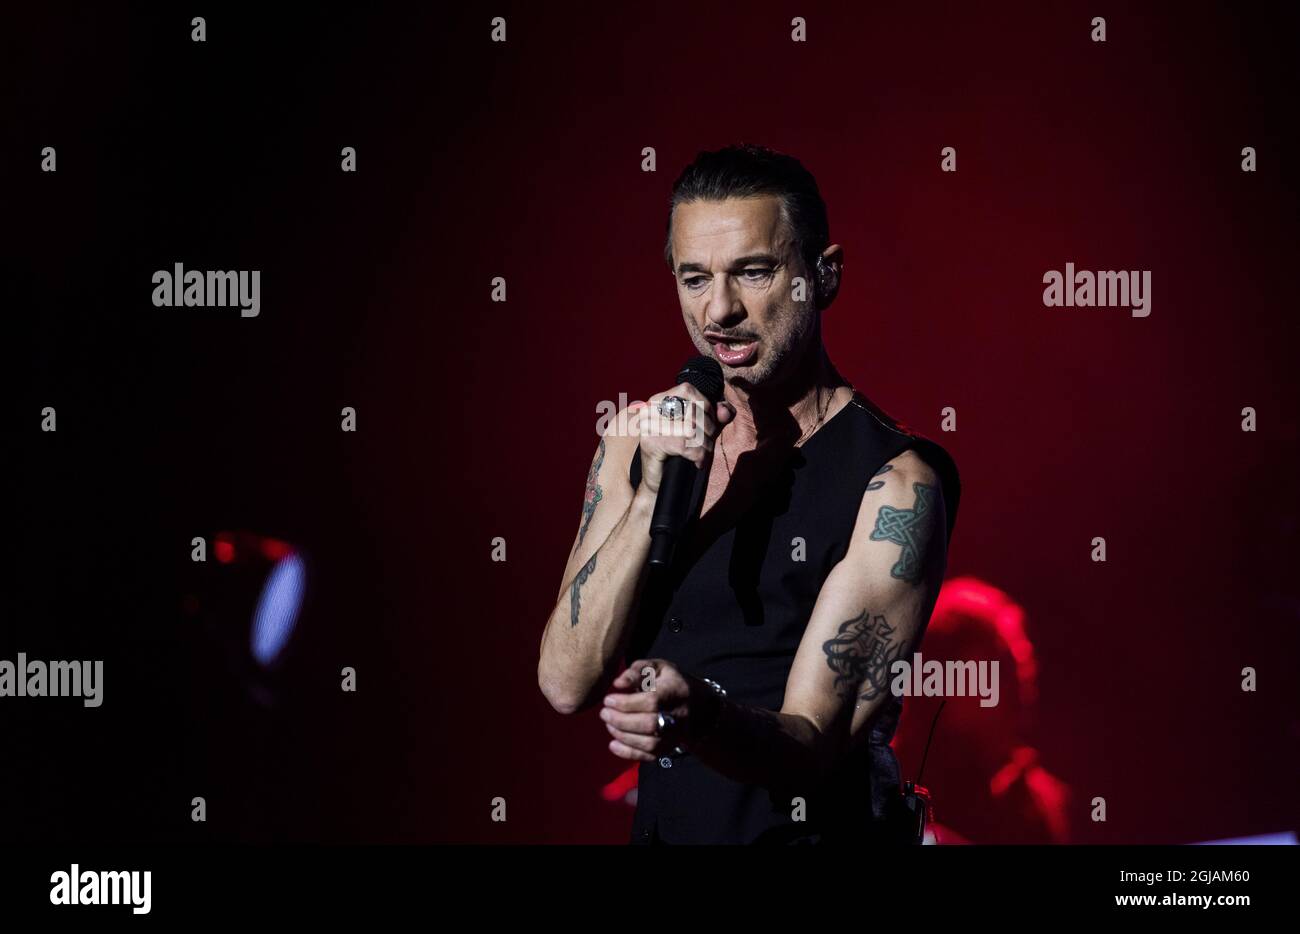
x: 672, y: 407
x: 666, y: 722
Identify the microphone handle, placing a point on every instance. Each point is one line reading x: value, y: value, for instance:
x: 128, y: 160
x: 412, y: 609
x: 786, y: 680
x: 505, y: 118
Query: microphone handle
x: 673, y: 506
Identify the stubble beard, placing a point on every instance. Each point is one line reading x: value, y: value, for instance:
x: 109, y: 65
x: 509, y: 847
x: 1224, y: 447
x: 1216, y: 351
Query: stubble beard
x: 775, y: 352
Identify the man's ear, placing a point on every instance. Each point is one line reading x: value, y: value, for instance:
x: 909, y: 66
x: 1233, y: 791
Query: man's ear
x: 830, y: 266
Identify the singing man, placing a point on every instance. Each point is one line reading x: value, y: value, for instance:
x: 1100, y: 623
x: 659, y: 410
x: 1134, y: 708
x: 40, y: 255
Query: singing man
x: 751, y: 679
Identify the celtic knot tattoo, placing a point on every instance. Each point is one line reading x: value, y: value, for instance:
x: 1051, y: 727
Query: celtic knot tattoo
x: 911, y: 528
x: 861, y: 655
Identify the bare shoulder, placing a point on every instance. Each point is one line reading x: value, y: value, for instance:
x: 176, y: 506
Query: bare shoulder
x: 900, y: 524
x: 899, y: 475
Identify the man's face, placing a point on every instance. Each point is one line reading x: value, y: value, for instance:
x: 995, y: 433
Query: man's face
x: 734, y: 267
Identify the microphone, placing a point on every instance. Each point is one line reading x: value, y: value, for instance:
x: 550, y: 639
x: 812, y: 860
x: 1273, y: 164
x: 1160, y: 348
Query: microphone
x: 682, y: 482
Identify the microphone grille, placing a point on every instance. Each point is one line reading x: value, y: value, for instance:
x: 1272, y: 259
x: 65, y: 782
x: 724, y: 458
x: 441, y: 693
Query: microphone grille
x: 705, y: 374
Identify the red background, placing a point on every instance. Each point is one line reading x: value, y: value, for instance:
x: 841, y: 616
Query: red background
x: 478, y: 419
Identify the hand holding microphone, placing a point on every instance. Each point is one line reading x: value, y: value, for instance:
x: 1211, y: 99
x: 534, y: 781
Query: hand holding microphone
x: 677, y: 429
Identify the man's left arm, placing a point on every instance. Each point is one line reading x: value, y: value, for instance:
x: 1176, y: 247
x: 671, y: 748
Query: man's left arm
x: 871, y: 611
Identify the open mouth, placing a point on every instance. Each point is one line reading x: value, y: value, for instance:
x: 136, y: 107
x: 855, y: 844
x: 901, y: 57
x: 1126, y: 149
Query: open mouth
x: 733, y: 353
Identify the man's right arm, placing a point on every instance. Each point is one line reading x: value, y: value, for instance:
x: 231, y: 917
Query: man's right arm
x: 587, y: 632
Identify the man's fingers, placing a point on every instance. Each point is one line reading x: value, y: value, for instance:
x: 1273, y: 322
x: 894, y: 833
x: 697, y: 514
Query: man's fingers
x: 637, y: 670
x: 633, y: 673
x: 632, y: 716
x: 687, y: 391
x: 640, y: 702
x: 623, y: 751
x: 637, y: 741
x: 693, y: 426
x: 643, y: 723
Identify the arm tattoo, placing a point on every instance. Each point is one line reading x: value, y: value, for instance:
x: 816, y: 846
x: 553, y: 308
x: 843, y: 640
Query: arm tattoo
x: 593, y: 494
x: 574, y: 601
x: 861, y: 655
x: 879, y: 483
x: 911, y: 528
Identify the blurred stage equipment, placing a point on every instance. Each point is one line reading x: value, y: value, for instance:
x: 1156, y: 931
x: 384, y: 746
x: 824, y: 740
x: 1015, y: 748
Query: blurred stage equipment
x: 1284, y: 838
x: 250, y: 602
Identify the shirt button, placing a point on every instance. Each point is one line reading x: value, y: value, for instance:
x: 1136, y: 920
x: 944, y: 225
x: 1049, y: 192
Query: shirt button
x: 675, y: 624
x: 665, y: 763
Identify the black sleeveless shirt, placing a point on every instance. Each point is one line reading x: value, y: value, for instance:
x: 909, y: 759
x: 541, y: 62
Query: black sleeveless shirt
x: 734, y: 609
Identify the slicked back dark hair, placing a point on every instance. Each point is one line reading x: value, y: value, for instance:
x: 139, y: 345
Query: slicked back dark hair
x: 747, y: 171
